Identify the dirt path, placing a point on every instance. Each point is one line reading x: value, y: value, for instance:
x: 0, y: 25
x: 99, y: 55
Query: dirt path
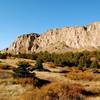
x: 51, y: 76
x: 60, y: 77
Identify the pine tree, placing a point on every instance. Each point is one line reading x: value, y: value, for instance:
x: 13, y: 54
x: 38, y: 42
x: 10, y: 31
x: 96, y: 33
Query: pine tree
x: 22, y: 70
x: 39, y: 65
x: 95, y: 64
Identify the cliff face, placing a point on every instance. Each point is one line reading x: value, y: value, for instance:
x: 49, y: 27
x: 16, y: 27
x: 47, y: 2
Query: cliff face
x: 23, y: 44
x: 60, y: 40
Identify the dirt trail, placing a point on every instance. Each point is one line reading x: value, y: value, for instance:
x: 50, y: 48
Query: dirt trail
x: 53, y: 77
x: 60, y: 77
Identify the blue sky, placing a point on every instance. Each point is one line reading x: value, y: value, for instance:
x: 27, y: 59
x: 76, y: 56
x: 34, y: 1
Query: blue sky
x: 22, y: 16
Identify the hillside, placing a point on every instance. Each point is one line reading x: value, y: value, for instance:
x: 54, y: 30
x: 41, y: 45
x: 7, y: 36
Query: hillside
x: 59, y: 40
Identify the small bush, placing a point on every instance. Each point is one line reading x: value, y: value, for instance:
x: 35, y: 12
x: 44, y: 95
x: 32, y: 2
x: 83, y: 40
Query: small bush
x: 84, y: 62
x: 23, y: 64
x: 3, y: 55
x: 22, y: 70
x: 39, y: 65
x: 5, y: 67
x: 81, y: 76
x: 56, y: 92
x: 95, y: 64
x: 24, y: 81
x: 32, y: 56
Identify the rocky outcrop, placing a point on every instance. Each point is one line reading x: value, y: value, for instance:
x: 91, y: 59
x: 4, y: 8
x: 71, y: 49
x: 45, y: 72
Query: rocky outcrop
x: 23, y: 43
x: 60, y: 40
x: 69, y: 38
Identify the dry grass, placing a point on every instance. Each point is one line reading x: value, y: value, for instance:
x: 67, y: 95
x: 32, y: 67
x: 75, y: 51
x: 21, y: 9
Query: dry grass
x: 81, y: 76
x: 23, y: 81
x: 12, y: 91
x: 73, y: 84
x: 6, y: 66
x: 13, y: 61
x: 55, y: 91
x: 11, y: 88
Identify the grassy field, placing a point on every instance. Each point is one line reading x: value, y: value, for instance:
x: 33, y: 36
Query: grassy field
x: 66, y: 83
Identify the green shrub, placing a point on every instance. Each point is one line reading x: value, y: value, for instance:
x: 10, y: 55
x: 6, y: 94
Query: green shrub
x: 3, y: 55
x: 95, y: 64
x: 79, y: 59
x: 23, y: 64
x: 45, y: 56
x: 84, y: 62
x: 39, y: 65
x: 22, y: 70
x: 32, y: 56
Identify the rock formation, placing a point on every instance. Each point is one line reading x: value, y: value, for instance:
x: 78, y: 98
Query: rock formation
x: 60, y: 40
x: 23, y: 43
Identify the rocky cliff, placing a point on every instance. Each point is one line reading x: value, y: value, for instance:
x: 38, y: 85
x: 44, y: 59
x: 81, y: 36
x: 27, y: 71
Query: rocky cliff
x: 60, y: 40
x: 23, y: 43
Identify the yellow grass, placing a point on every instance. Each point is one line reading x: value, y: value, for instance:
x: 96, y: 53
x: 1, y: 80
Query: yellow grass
x: 14, y: 89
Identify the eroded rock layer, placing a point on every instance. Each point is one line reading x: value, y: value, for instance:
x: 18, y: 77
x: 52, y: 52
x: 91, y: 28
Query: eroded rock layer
x: 60, y: 40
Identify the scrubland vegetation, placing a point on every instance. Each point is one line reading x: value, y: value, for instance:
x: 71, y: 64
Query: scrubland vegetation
x: 45, y: 76
x: 79, y: 59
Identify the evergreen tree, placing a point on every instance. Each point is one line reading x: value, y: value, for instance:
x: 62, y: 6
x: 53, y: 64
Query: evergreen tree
x: 22, y: 70
x: 95, y: 64
x: 39, y: 65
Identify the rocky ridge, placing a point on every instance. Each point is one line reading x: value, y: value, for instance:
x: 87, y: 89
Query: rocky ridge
x: 23, y: 43
x: 59, y: 40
